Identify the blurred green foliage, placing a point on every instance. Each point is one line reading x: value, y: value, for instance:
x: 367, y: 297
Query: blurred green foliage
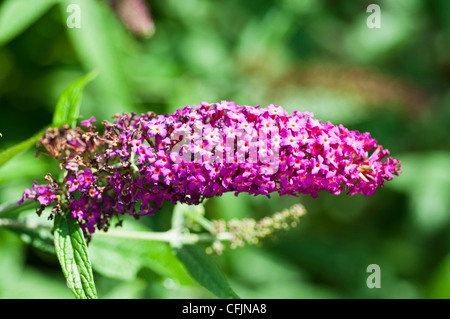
x: 313, y: 55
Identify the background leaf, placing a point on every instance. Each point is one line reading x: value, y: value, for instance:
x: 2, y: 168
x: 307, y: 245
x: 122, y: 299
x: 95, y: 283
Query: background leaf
x: 427, y: 177
x: 71, y: 250
x: 18, y: 281
x: 205, y: 271
x: 18, y: 15
x: 439, y: 286
x: 123, y: 258
x: 39, y: 235
x: 98, y: 42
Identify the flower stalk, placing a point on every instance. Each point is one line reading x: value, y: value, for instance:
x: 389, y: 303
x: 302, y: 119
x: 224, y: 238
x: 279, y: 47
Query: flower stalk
x: 168, y: 236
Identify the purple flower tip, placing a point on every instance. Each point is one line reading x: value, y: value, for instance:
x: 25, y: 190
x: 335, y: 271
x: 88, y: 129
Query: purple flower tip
x: 88, y: 123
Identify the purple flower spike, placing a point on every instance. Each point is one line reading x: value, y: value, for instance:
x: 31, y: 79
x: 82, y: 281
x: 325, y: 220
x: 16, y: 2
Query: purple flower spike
x: 204, y: 151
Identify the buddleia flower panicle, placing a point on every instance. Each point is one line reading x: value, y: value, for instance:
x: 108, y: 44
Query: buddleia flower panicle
x: 136, y: 163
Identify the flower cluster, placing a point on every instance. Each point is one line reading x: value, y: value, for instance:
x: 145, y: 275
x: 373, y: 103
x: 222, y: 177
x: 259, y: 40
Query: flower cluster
x: 198, y: 152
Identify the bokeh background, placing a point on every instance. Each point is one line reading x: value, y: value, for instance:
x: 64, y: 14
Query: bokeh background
x: 312, y: 55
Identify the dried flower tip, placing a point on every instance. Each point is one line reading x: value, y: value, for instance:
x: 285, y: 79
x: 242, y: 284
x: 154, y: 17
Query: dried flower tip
x: 249, y: 231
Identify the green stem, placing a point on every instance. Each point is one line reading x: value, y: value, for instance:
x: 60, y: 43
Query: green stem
x: 168, y: 236
x: 178, y: 219
x: 12, y: 223
x: 183, y: 211
x: 202, y: 221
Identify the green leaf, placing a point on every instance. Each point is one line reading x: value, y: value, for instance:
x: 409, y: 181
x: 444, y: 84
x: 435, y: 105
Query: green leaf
x: 20, y: 281
x: 121, y: 258
x: 9, y: 153
x: 71, y: 250
x: 36, y: 231
x: 68, y: 106
x: 18, y: 15
x: 205, y: 271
